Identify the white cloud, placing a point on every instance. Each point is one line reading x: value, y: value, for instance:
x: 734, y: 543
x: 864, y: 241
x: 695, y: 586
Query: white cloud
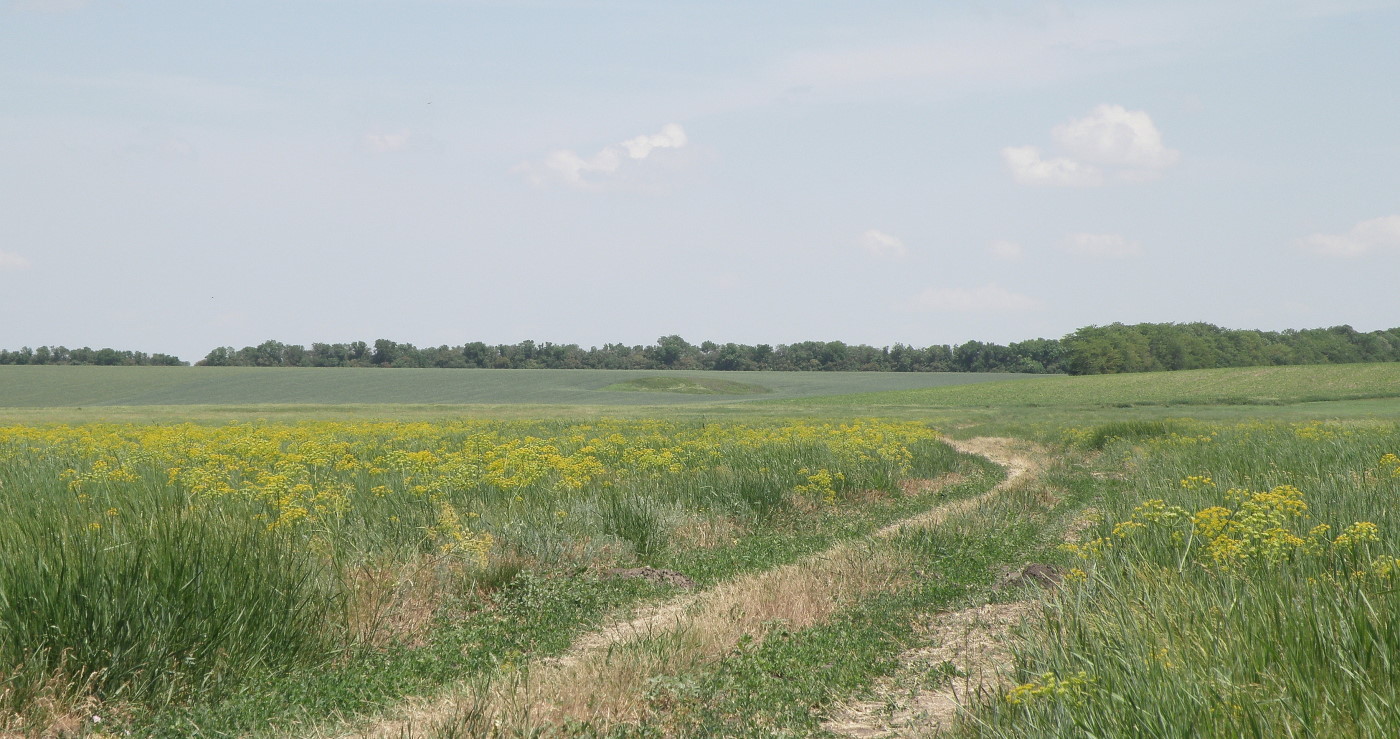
x: 384, y: 143
x: 671, y: 136
x: 571, y: 169
x: 990, y: 298
x: 881, y: 244
x: 1112, y: 143
x: 1029, y: 168
x: 1112, y: 135
x: 1103, y: 246
x: 1007, y: 251
x: 10, y: 261
x: 1364, y: 237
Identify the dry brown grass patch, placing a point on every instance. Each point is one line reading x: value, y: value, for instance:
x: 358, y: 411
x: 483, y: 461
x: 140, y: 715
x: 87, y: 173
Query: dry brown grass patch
x: 394, y: 604
x: 867, y: 496
x: 706, y: 532
x: 62, y: 707
x: 922, y: 485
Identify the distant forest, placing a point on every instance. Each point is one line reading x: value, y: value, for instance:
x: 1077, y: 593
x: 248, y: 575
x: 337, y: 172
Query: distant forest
x: 1092, y: 350
x: 87, y: 355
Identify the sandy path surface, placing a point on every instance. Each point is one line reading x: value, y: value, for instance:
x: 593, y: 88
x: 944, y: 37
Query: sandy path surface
x: 973, y: 643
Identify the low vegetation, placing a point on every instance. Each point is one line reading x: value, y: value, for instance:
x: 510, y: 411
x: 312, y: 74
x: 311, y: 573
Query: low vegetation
x: 1226, y: 562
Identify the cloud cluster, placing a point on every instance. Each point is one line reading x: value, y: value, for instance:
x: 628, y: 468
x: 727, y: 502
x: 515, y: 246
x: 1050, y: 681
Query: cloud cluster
x: 1111, y: 144
x: 1367, y: 236
x: 9, y: 261
x: 1028, y: 167
x: 567, y: 167
x: 1101, y: 246
x: 989, y: 298
x: 881, y: 244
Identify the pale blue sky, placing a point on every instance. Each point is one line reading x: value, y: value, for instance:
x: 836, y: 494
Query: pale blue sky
x: 176, y: 176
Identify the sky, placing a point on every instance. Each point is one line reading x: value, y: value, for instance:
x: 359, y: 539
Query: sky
x: 178, y: 176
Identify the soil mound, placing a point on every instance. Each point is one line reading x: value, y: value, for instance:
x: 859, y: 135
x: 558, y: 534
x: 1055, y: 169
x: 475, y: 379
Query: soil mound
x: 1046, y: 576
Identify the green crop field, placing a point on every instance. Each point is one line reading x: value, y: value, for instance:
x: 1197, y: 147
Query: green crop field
x: 1216, y: 387
x: 73, y: 386
x: 448, y: 553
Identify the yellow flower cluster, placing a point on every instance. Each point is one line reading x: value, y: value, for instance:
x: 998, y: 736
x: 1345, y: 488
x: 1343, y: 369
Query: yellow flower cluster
x: 1197, y: 482
x: 315, y: 476
x: 1391, y: 463
x: 1051, y: 686
x: 1175, y: 439
x: 1320, y: 431
x: 1249, y: 527
x: 453, y: 537
x: 100, y: 473
x: 1163, y: 657
x: 821, y: 484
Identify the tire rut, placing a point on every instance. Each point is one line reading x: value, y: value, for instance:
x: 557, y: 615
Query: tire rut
x: 972, y: 643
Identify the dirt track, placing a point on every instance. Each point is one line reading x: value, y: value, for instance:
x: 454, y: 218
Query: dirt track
x: 973, y: 641
x: 603, y: 676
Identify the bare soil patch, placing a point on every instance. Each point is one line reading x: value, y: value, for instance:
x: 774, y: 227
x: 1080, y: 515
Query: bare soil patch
x: 969, y: 650
x: 969, y: 656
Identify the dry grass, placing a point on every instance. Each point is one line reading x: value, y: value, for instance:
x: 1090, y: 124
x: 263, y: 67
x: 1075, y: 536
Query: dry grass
x: 61, y: 709
x: 394, y: 604
x: 706, y: 532
x: 922, y: 485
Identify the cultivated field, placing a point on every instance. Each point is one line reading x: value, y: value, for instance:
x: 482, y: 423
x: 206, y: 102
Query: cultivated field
x: 758, y: 564
x: 1215, y: 387
x: 70, y: 386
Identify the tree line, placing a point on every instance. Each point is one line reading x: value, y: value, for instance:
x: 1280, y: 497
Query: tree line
x: 1144, y: 347
x: 669, y: 352
x: 1155, y: 347
x: 1115, y: 348
x: 87, y: 355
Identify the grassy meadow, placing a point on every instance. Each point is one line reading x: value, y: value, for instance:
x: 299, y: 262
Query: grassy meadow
x: 242, y: 553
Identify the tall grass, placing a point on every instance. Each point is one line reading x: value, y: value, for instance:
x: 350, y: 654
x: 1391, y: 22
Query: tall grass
x: 173, y: 608
x: 150, y: 564
x: 1248, y: 588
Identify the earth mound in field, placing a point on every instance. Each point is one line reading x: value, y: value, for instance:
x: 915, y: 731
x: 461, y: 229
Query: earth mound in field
x: 688, y: 386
